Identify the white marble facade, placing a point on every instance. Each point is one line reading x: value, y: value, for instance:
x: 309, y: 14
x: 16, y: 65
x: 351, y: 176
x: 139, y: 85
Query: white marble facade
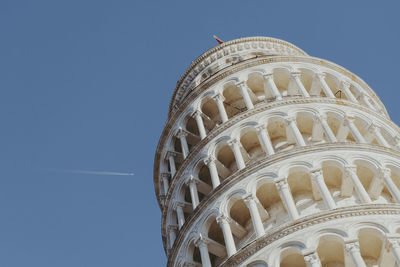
x: 271, y: 157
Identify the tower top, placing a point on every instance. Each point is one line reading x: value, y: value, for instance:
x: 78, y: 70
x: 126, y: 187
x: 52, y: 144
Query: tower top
x: 231, y: 52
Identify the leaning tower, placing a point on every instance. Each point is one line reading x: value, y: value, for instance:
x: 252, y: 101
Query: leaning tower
x: 271, y: 157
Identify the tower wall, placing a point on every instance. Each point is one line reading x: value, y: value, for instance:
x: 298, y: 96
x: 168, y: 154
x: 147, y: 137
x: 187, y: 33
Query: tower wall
x: 271, y: 157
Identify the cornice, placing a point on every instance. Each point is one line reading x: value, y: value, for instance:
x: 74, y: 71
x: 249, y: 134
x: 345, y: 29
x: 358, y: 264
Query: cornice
x: 239, y: 117
x: 266, y: 44
x: 254, y: 167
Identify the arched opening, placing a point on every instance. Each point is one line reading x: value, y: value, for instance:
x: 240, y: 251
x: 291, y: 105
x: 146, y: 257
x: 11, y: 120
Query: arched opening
x: 226, y: 157
x: 240, y: 215
x: 305, y: 123
x: 255, y: 82
x: 277, y: 133
x: 194, y: 252
x: 193, y: 136
x: 365, y: 173
x: 292, y: 257
x: 334, y: 122
x: 251, y: 145
x: 234, y: 102
x: 269, y: 197
x: 211, y: 116
x: 306, y: 77
x: 371, y: 242
x: 204, y: 174
x: 282, y: 78
x: 333, y: 84
x: 333, y: 176
x: 331, y: 251
x: 300, y: 186
x: 216, y: 247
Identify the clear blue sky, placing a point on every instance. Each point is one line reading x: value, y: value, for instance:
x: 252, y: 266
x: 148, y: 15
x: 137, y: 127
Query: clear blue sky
x: 86, y: 85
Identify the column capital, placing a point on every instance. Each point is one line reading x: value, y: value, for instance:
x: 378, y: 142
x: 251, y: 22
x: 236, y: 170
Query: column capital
x: 200, y: 240
x: 219, y: 97
x: 177, y: 204
x: 373, y: 128
x: 312, y: 258
x: 172, y: 227
x: 165, y: 175
x: 197, y: 112
x: 350, y: 169
x: 352, y: 246
x: 282, y: 184
x: 241, y: 84
x: 385, y: 172
x: 316, y: 174
x: 222, y: 219
x: 348, y: 119
x: 260, y: 128
x: 268, y: 75
x: 393, y: 242
x: 191, y: 180
x: 170, y: 154
x: 209, y: 160
x: 233, y: 142
x: 296, y: 74
x: 320, y: 75
x: 248, y: 198
x: 345, y: 84
x: 320, y: 117
x: 181, y: 133
x: 290, y: 119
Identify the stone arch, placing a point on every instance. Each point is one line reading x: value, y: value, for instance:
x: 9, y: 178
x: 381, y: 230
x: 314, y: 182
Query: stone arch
x: 331, y: 250
x: 291, y: 255
x: 281, y: 77
x: 210, y: 113
x: 256, y: 83
x: 234, y: 102
x: 276, y: 128
x: 307, y: 77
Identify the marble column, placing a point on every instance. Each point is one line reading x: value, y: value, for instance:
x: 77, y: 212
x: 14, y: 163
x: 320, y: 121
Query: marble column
x: 312, y: 260
x: 349, y: 122
x: 184, y: 145
x: 179, y: 214
x: 194, y: 195
x: 265, y: 141
x: 200, y: 124
x: 234, y: 144
x: 318, y: 179
x: 291, y: 123
x: 272, y: 86
x: 345, y: 88
x: 351, y: 172
x: 391, y: 186
x: 287, y: 198
x: 255, y: 215
x: 201, y: 243
x: 223, y: 222
x: 327, y: 130
x: 212, y: 167
x: 171, y: 162
x: 219, y: 99
x: 246, y: 97
x: 395, y: 249
x: 354, y: 251
x: 172, y: 229
x: 299, y: 84
x: 325, y: 88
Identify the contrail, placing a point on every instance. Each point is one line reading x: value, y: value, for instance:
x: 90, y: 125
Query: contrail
x: 94, y: 172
